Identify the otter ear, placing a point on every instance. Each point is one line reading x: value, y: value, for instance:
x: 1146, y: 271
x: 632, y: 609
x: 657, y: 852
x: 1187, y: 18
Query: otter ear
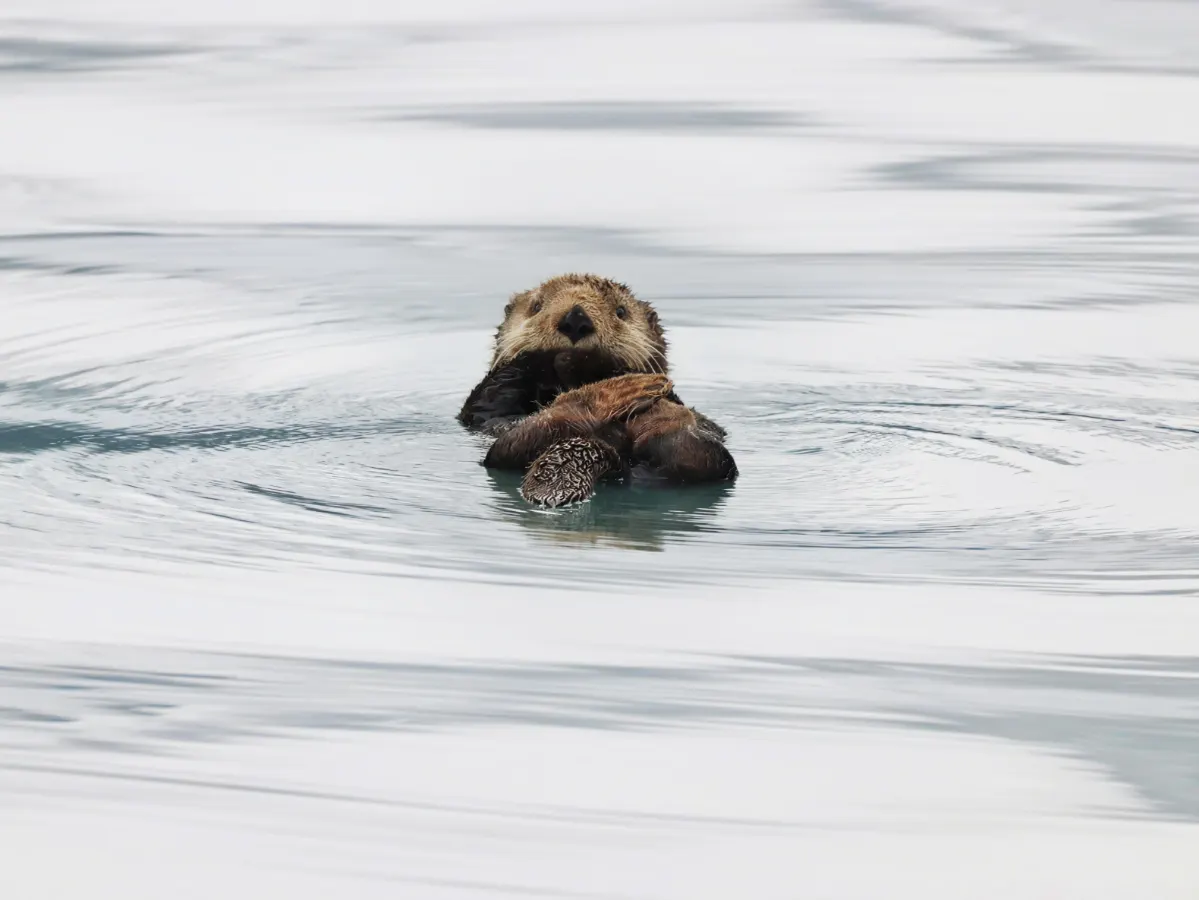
x: 651, y: 317
x: 516, y: 298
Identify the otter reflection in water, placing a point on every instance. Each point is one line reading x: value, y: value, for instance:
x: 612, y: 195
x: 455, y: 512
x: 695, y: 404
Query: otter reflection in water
x: 577, y: 390
x: 639, y: 517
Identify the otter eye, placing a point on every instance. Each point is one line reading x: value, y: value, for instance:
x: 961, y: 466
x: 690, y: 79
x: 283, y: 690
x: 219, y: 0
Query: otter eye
x: 622, y: 312
x: 535, y: 308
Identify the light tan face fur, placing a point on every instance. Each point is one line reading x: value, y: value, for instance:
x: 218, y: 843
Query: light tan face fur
x: 625, y: 328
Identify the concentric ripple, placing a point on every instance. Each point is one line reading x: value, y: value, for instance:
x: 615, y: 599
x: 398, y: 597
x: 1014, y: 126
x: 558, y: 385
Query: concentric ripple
x: 199, y: 420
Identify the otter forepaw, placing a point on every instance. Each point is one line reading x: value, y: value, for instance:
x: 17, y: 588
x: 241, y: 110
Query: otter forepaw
x: 567, y: 472
x: 618, y: 398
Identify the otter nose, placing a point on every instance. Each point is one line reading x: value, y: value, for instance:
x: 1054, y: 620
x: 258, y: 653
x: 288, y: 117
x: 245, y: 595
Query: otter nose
x: 576, y: 325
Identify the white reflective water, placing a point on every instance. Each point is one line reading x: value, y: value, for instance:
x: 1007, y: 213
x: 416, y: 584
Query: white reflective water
x: 268, y: 629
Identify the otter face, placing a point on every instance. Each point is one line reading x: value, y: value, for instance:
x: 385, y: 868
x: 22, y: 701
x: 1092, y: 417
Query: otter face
x: 584, y: 313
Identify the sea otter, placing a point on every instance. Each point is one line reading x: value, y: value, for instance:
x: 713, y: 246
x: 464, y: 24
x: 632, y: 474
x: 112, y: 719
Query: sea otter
x: 578, y: 389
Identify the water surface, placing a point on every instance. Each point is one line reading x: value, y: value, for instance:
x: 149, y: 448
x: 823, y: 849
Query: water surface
x: 267, y: 626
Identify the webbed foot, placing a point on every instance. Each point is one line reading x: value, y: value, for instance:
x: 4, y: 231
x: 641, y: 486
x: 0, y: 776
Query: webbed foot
x: 568, y: 471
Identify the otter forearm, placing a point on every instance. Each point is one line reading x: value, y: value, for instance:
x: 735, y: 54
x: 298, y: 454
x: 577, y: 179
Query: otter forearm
x: 524, y: 442
x: 506, y: 394
x: 673, y: 442
x: 595, y: 410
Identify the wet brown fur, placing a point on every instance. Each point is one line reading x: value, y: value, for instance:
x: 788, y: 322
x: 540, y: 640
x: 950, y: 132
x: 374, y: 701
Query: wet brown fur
x: 602, y: 410
x: 608, y: 390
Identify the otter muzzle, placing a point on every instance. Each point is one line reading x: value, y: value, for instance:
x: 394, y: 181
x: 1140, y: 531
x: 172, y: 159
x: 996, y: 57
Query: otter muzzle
x: 576, y: 325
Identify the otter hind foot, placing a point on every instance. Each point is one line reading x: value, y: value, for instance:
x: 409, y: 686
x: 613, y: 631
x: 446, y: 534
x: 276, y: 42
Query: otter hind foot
x: 567, y: 471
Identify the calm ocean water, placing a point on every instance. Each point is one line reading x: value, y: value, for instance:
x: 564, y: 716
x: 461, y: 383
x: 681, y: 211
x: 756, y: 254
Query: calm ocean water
x: 267, y: 628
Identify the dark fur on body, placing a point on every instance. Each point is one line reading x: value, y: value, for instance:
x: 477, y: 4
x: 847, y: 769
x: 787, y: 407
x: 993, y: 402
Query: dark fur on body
x: 604, y: 391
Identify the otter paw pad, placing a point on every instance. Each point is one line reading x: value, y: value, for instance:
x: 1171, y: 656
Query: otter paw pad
x: 567, y: 472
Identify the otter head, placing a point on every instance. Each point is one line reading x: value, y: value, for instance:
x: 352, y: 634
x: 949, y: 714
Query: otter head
x: 588, y: 316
